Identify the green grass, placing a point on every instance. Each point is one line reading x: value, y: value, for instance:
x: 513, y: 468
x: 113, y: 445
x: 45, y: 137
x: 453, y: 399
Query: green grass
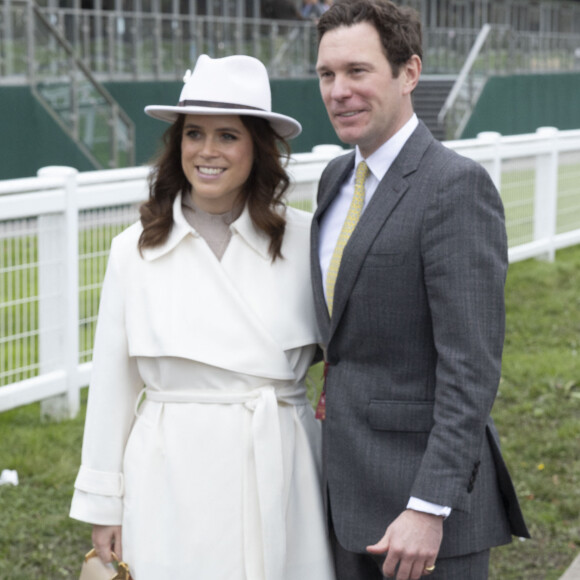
x: 537, y: 413
x: 37, y: 539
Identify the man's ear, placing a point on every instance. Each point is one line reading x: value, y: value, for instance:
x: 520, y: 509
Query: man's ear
x: 412, y: 71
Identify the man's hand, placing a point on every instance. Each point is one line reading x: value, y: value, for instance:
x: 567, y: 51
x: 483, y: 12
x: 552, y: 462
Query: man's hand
x: 412, y: 541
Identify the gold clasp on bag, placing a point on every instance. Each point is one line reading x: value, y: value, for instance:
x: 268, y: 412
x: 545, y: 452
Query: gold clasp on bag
x: 94, y: 569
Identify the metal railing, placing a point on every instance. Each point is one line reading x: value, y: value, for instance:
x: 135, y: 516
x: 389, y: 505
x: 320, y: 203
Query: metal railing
x: 532, y: 15
x: 67, y: 89
x: 129, y: 45
x: 56, y: 228
x: 496, y: 50
x: 536, y: 16
x: 123, y: 44
x: 465, y: 91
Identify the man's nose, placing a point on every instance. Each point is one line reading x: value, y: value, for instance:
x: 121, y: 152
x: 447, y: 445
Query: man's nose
x: 340, y: 88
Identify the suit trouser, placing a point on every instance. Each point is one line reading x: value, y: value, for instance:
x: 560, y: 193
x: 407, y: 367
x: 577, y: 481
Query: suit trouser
x: 354, y: 566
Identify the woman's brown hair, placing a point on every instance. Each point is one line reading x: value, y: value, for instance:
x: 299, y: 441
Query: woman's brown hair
x: 263, y: 191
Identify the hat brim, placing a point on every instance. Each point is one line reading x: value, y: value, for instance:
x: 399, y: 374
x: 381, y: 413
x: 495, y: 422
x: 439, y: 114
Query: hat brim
x: 286, y: 127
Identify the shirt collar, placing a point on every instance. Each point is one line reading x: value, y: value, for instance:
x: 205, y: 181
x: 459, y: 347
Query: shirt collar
x: 243, y: 226
x: 381, y: 160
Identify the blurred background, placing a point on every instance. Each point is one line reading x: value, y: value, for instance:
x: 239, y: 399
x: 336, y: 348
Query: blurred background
x: 75, y: 75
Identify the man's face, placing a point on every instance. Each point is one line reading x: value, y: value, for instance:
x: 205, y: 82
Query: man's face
x: 365, y: 103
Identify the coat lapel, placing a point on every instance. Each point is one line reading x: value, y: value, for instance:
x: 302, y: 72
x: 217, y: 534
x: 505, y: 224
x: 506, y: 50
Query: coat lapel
x: 240, y: 314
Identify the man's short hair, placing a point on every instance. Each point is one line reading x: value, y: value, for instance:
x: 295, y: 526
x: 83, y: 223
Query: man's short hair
x: 399, y: 27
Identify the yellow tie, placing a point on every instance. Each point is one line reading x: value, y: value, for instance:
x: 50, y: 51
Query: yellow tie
x: 352, y: 217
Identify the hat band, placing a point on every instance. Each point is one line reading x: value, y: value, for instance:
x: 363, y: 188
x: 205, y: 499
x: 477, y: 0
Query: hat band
x: 215, y: 105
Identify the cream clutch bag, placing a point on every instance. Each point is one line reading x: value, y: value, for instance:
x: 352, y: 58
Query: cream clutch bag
x: 94, y: 569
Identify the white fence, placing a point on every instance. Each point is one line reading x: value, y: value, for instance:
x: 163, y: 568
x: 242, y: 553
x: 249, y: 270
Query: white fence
x: 56, y: 228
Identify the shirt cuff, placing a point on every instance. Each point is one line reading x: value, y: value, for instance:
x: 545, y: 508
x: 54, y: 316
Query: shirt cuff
x: 427, y: 507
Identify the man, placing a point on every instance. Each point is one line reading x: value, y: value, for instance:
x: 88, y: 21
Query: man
x: 411, y: 309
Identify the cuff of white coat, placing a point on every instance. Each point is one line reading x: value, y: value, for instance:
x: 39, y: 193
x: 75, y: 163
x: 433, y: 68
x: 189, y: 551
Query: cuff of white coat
x: 96, y: 509
x: 427, y: 507
x: 98, y: 497
x: 100, y: 482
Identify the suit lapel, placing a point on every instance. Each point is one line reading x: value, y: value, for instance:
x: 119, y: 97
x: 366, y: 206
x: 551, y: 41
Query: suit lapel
x: 328, y: 191
x: 389, y: 192
x: 386, y: 197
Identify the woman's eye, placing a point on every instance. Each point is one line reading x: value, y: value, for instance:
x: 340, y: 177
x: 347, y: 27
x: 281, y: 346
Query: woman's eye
x: 229, y: 137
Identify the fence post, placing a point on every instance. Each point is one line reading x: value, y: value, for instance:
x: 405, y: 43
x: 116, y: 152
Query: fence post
x: 493, y: 166
x: 546, y: 192
x: 30, y: 45
x: 58, y: 243
x: 7, y: 37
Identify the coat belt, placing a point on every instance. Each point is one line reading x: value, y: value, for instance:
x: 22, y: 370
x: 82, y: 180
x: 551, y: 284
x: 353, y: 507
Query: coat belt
x: 266, y: 440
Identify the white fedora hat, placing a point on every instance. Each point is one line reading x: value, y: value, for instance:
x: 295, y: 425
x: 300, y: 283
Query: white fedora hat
x: 234, y: 85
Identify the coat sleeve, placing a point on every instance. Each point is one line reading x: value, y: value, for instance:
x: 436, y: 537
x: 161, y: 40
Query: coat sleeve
x: 113, y: 391
x: 464, y: 249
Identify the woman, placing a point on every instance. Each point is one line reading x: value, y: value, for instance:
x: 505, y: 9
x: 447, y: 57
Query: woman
x: 206, y: 316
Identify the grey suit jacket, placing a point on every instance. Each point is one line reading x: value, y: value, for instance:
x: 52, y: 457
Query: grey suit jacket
x: 414, y: 351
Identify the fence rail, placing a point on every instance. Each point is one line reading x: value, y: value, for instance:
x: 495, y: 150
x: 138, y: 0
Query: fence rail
x: 56, y: 228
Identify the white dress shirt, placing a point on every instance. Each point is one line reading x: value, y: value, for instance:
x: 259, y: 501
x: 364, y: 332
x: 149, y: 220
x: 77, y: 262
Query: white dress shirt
x: 379, y: 163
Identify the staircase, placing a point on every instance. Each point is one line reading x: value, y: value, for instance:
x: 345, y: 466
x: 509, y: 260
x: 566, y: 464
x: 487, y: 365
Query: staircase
x: 70, y: 93
x: 428, y: 98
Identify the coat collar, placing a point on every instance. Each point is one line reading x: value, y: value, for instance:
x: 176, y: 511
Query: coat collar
x: 243, y: 226
x: 256, y: 239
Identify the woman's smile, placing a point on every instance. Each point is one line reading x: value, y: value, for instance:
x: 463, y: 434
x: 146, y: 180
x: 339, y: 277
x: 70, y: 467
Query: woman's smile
x: 210, y: 171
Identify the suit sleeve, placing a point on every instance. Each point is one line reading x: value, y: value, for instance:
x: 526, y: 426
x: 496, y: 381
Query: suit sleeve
x: 114, y: 387
x: 464, y: 250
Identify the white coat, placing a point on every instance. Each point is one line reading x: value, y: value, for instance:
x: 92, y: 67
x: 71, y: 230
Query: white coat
x: 216, y: 475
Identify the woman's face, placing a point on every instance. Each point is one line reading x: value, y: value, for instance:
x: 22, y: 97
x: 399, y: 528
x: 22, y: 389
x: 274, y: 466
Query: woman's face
x: 217, y: 154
